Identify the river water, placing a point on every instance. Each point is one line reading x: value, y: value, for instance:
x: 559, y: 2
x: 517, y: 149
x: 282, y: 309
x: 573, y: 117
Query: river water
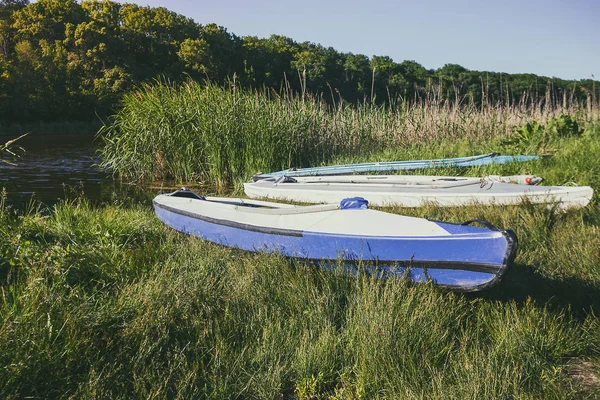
x: 51, y: 168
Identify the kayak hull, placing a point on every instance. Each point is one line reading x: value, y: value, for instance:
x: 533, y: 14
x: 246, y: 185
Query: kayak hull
x: 465, y: 258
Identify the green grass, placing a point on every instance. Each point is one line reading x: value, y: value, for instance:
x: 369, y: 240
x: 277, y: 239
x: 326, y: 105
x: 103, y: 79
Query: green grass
x: 106, y: 302
x: 193, y: 132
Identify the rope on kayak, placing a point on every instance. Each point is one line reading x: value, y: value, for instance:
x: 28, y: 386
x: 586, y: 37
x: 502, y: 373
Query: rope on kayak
x: 486, y: 181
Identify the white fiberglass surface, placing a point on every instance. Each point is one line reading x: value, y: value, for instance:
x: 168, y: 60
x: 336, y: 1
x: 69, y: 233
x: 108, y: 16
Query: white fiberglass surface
x: 497, y: 193
x: 417, y: 179
x: 495, y: 188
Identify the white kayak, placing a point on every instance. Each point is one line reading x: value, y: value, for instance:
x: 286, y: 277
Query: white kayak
x: 415, y: 190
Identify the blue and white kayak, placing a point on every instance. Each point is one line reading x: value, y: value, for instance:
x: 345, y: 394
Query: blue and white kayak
x: 343, y: 169
x: 459, y: 257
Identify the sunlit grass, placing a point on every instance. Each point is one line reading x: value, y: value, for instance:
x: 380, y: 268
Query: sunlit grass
x: 109, y: 303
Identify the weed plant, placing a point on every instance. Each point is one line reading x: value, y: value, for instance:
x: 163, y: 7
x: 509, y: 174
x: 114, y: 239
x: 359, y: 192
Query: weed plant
x: 193, y: 132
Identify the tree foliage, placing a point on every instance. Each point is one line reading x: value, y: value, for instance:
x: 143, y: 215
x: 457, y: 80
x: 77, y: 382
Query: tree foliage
x: 64, y: 60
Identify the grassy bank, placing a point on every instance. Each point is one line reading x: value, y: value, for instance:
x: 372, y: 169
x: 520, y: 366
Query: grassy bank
x: 108, y: 303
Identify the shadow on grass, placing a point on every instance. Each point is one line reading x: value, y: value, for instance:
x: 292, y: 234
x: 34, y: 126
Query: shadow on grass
x: 522, y: 281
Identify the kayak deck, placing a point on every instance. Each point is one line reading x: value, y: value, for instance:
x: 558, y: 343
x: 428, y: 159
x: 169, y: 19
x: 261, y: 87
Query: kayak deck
x: 413, y: 191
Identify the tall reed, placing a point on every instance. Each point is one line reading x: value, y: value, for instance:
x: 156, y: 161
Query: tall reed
x: 191, y: 131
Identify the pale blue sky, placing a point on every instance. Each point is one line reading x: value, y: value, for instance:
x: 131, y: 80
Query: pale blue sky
x: 558, y: 38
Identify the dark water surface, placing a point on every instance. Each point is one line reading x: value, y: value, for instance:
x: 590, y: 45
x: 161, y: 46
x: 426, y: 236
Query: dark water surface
x: 54, y: 167
x: 51, y: 168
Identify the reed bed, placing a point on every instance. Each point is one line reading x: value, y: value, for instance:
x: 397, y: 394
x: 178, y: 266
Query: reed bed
x: 203, y: 132
x: 192, y: 132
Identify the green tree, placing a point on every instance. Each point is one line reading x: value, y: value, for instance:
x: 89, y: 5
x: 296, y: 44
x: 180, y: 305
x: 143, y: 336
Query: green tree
x: 310, y: 64
x: 224, y: 52
x: 268, y: 61
x: 61, y: 59
x: 383, y: 69
x: 195, y: 53
x: 46, y: 19
x: 7, y: 8
x: 357, y: 70
x: 453, y: 78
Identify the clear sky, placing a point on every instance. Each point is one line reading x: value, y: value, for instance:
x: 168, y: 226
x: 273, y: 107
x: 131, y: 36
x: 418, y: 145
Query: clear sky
x: 554, y: 38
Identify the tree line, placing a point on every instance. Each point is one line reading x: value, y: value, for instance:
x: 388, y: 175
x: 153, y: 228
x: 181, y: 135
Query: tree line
x: 62, y: 60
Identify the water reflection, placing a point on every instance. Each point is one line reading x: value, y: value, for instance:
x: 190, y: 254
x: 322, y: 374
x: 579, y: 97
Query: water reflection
x: 52, y: 168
